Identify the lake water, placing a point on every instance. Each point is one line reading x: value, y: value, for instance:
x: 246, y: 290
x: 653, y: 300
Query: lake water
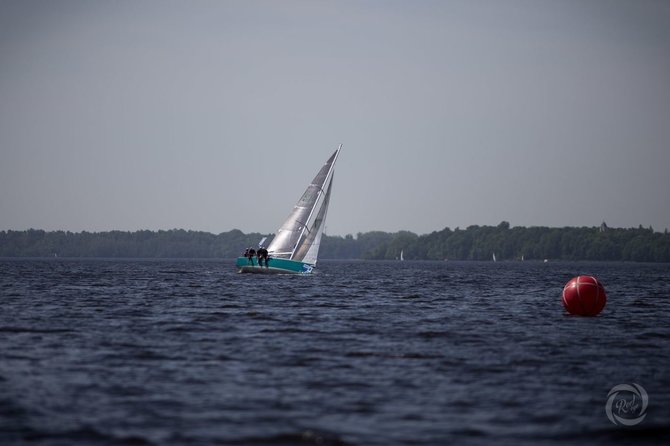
x: 188, y: 352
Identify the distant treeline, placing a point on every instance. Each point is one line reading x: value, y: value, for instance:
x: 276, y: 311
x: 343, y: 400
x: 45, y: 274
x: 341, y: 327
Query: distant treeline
x: 473, y: 243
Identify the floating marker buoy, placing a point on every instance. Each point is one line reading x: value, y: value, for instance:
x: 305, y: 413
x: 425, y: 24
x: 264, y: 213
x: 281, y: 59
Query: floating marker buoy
x: 584, y: 296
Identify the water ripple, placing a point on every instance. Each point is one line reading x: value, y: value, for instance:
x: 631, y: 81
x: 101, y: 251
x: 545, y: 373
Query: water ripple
x: 361, y: 353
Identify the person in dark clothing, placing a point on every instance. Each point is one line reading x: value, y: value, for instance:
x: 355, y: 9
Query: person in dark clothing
x: 252, y: 253
x: 262, y: 256
x: 266, y: 256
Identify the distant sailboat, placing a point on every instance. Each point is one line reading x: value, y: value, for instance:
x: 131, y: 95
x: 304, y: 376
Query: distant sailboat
x: 402, y: 256
x: 494, y: 257
x: 295, y: 248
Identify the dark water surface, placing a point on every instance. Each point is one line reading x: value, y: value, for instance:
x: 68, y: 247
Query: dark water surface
x: 362, y: 353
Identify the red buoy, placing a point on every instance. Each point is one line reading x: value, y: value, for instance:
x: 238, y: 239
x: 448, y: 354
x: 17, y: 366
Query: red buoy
x: 584, y: 296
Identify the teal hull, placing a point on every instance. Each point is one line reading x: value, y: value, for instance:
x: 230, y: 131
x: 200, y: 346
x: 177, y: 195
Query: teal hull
x: 275, y: 266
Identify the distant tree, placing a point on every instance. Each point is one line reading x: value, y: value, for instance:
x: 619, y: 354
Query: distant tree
x: 474, y: 243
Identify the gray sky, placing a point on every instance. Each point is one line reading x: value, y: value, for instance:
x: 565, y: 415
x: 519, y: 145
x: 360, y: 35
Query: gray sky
x: 214, y: 115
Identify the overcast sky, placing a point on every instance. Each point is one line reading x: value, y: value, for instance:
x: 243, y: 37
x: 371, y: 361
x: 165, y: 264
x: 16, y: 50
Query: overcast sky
x: 215, y: 115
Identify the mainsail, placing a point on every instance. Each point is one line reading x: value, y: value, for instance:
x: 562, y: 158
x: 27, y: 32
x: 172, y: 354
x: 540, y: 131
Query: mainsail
x: 300, y: 235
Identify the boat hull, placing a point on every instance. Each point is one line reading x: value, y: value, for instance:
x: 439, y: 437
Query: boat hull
x: 275, y: 266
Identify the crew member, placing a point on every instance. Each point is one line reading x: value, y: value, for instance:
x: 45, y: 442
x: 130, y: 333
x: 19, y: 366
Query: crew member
x: 262, y: 256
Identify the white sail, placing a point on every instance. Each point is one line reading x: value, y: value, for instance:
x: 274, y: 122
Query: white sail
x: 309, y: 250
x: 299, y: 236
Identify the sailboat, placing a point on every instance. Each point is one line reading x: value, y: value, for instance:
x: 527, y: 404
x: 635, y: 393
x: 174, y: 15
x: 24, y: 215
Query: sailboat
x: 295, y: 248
x: 402, y: 255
